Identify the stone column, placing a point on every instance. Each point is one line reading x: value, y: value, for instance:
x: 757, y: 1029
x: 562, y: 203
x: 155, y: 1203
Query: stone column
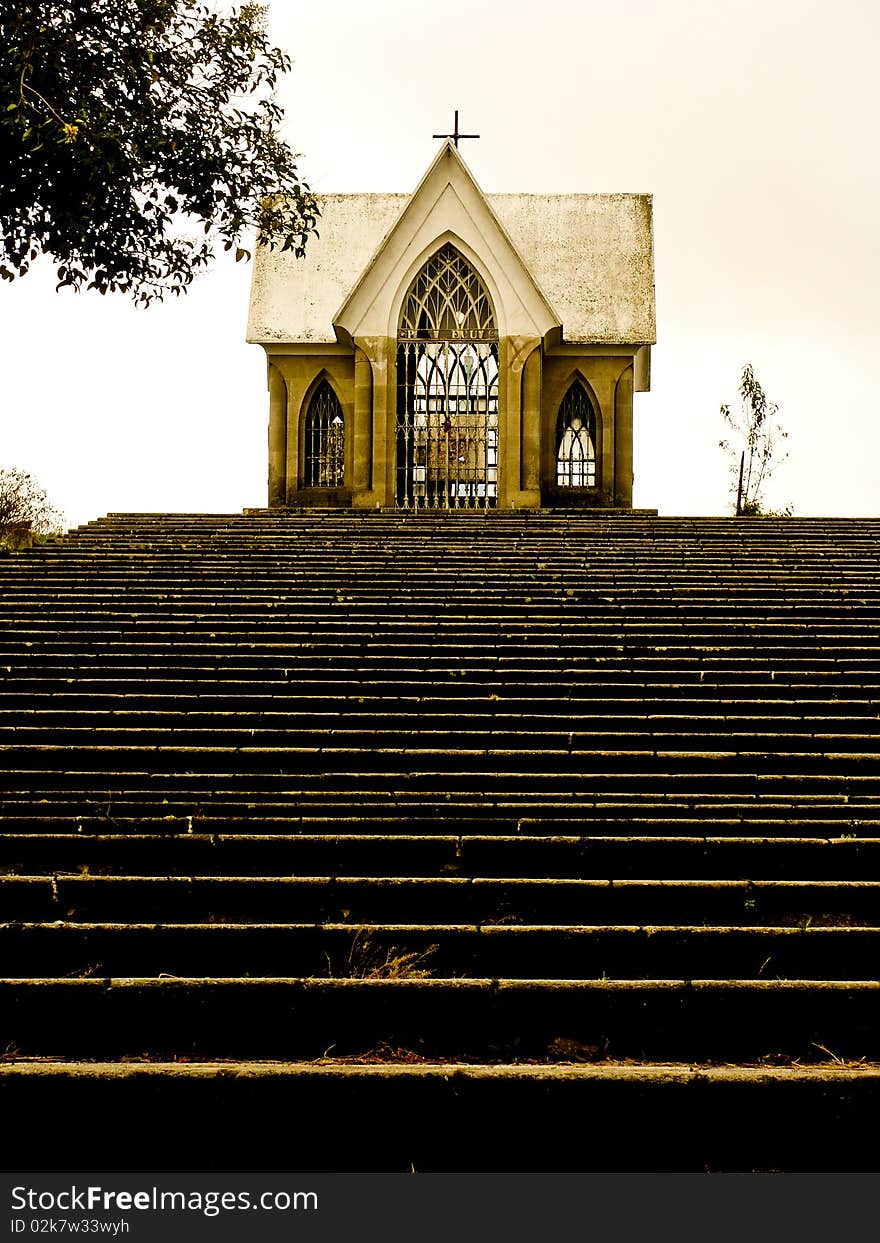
x: 530, y: 439
x: 604, y: 390
x: 296, y: 390
x: 384, y: 418
x: 513, y: 355
x: 509, y: 393
x: 623, y: 440
x: 362, y: 440
x: 277, y: 437
x: 377, y: 445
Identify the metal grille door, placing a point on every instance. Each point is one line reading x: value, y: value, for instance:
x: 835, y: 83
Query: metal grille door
x: 447, y: 389
x: 447, y: 425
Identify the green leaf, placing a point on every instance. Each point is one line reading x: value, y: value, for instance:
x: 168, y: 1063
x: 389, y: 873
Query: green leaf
x: 147, y: 119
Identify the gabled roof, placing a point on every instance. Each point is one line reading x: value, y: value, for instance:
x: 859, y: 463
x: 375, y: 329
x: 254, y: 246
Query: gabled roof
x: 447, y: 205
x: 582, y: 261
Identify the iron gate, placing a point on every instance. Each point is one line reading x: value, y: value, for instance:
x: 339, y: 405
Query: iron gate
x: 447, y: 389
x: 447, y: 425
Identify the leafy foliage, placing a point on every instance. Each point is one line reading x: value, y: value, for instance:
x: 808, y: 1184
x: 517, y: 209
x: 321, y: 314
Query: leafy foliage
x: 755, y: 443
x: 125, y: 125
x: 24, y: 505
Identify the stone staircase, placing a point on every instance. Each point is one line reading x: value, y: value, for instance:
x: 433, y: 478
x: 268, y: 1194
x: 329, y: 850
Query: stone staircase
x: 505, y: 841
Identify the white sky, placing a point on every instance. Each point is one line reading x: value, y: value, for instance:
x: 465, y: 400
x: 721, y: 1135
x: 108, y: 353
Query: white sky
x: 752, y: 122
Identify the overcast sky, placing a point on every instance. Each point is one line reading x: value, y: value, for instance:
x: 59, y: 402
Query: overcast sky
x: 753, y: 124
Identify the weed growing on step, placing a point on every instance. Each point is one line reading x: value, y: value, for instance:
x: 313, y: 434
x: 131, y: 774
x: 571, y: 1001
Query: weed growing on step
x: 370, y: 960
x: 564, y: 1049
x: 384, y: 1054
x: 839, y: 1061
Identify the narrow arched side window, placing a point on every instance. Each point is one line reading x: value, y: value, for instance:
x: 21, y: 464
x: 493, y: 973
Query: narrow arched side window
x: 324, y: 440
x: 576, y: 440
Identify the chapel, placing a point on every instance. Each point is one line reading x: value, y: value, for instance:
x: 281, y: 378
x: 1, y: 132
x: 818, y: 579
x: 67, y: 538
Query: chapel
x: 455, y: 350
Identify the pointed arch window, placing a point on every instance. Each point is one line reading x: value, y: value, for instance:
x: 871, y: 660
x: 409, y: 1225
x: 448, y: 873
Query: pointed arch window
x: 447, y: 389
x: 324, y: 440
x: 447, y: 302
x: 576, y: 440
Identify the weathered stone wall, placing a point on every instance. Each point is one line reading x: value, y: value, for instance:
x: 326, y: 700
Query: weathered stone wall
x: 591, y: 255
x: 612, y: 401
x: 293, y: 379
x: 532, y: 384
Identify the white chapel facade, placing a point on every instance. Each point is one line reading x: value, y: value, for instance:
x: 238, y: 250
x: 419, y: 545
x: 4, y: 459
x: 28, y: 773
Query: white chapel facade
x: 451, y: 349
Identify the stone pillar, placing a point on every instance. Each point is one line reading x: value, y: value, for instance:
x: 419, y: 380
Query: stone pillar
x: 623, y: 440
x: 296, y: 389
x: 377, y: 445
x: 605, y: 393
x: 513, y: 356
x: 384, y: 420
x: 277, y: 437
x: 530, y: 438
x: 362, y: 440
x: 508, y: 422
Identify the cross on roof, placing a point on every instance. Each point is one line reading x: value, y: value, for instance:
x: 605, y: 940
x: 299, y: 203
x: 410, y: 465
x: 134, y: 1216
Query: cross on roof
x: 455, y: 135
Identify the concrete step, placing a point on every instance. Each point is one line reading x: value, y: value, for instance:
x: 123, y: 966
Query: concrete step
x: 465, y: 717
x: 574, y: 856
x: 807, y: 750
x: 350, y: 813
x: 398, y: 899
x: 482, y: 1020
x: 678, y: 951
x: 422, y: 819
x: 245, y: 670
x: 444, y: 1117
x: 260, y: 697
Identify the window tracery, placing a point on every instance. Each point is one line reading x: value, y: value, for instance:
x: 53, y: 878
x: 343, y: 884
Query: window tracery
x: 447, y: 383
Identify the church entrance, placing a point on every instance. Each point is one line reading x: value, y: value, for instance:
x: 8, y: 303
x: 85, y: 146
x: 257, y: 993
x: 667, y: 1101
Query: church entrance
x: 447, y: 389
